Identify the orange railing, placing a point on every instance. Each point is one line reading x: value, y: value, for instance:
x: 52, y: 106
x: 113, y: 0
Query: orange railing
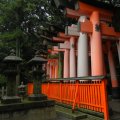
x: 30, y: 88
x: 89, y: 94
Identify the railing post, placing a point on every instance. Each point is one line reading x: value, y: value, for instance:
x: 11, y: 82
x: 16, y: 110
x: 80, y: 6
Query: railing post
x: 66, y: 64
x: 76, y: 93
x: 48, y: 86
x: 105, y: 100
x: 61, y: 91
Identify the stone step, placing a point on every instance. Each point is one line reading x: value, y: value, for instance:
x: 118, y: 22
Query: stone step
x: 67, y: 113
x: 86, y: 111
x: 77, y: 115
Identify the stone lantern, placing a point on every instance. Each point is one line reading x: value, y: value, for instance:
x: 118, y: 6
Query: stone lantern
x: 37, y: 72
x: 11, y: 62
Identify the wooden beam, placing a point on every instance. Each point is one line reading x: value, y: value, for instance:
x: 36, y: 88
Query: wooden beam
x: 63, y: 35
x: 86, y: 9
x: 59, y: 39
x: 71, y: 13
x: 89, y: 9
x: 87, y: 27
x: 74, y: 32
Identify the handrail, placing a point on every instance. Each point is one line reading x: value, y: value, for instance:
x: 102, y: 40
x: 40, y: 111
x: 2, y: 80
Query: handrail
x: 77, y: 78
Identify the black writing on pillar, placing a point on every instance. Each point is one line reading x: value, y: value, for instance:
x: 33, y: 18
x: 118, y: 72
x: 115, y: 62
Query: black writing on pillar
x: 72, y: 45
x: 97, y: 28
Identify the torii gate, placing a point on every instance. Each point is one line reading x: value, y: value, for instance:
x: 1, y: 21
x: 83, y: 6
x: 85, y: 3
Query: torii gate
x: 52, y: 65
x: 66, y: 55
x: 94, y: 21
x: 69, y: 53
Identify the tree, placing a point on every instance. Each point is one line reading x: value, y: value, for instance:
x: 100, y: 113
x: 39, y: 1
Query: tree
x: 23, y: 21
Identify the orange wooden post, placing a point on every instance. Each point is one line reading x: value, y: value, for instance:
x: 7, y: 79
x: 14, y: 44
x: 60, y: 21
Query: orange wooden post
x: 105, y: 100
x: 60, y: 91
x: 53, y: 69
x: 66, y: 63
x: 48, y: 89
x: 53, y: 61
x: 76, y: 95
x: 30, y: 88
x: 96, y: 46
x: 56, y: 68
x: 97, y: 56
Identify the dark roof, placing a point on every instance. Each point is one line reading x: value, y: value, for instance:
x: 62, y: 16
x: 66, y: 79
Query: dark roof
x: 12, y: 58
x: 37, y: 60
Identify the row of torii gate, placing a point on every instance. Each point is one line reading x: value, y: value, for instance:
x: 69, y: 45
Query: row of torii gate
x: 92, y: 36
x: 85, y: 46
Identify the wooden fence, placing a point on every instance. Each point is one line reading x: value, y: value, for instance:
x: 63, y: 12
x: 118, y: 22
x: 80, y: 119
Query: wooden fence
x: 83, y: 92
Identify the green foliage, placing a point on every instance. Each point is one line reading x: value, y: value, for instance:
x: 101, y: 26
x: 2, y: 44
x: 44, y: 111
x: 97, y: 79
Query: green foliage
x: 11, y: 35
x: 22, y: 20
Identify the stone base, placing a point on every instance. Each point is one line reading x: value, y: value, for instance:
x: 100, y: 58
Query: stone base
x: 9, y: 100
x: 39, y: 110
x: 38, y: 97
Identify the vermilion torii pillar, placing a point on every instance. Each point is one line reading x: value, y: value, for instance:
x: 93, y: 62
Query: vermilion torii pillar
x: 114, y: 80
x: 82, y: 60
x: 66, y: 64
x: 56, y: 68
x: 96, y: 46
